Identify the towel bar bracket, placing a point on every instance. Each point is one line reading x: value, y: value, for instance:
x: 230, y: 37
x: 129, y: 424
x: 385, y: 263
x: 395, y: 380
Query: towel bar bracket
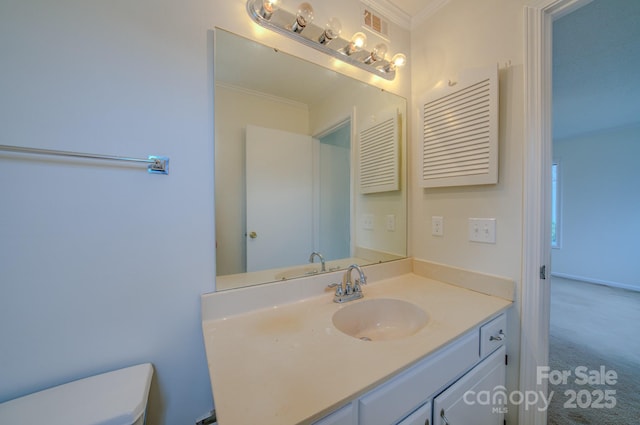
x: 160, y: 165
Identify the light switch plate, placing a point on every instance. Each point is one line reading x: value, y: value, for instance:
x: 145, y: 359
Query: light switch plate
x: 367, y: 221
x: 482, y: 230
x: 391, y: 223
x: 437, y: 226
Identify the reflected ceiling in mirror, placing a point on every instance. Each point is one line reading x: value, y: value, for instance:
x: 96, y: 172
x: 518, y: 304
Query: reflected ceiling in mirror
x: 287, y: 168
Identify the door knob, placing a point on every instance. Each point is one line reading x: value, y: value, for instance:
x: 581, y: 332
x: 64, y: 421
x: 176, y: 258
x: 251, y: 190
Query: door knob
x: 253, y: 235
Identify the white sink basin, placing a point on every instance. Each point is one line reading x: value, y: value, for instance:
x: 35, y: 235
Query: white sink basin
x: 380, y: 319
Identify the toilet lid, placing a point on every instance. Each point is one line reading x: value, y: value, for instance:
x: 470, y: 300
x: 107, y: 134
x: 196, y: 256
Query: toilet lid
x: 112, y: 398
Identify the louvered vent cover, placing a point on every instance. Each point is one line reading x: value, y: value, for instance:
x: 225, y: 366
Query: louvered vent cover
x: 379, y: 156
x: 460, y: 133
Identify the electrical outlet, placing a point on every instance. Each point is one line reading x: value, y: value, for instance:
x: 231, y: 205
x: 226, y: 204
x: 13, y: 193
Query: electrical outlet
x: 391, y: 223
x: 437, y: 226
x: 482, y: 230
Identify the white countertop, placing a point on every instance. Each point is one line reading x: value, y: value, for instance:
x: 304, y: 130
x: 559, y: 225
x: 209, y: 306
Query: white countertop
x: 288, y: 364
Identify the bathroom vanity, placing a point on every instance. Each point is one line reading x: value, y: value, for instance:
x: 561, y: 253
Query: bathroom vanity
x: 416, y: 395
x: 277, y: 354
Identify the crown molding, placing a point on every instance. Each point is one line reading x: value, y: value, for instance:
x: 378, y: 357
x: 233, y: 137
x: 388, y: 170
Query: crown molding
x: 257, y: 93
x: 402, y: 18
x: 426, y: 12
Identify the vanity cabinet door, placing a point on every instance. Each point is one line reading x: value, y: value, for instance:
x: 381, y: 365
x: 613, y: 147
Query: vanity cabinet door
x: 422, y: 416
x: 466, y: 402
x: 399, y: 396
x: 342, y: 416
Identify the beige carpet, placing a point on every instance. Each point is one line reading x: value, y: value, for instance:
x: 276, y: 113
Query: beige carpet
x: 594, y: 326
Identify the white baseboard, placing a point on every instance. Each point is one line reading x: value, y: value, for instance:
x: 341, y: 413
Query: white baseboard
x: 598, y: 281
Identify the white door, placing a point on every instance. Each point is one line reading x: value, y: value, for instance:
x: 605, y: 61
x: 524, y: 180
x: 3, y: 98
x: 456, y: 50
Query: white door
x: 279, y: 174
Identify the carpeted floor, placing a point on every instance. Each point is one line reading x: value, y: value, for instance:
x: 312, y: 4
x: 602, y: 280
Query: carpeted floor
x: 594, y: 326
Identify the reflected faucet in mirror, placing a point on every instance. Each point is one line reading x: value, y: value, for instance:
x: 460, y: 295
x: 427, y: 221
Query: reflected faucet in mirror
x: 317, y: 254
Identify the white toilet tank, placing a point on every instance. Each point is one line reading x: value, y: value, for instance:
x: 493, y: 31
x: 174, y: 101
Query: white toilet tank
x: 112, y: 398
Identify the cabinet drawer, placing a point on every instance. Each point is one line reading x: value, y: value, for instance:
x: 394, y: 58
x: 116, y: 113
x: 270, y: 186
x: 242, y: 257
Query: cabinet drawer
x: 493, y: 335
x: 394, y: 400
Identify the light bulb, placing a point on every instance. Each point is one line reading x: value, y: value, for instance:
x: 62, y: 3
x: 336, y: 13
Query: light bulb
x: 268, y: 7
x: 331, y: 31
x: 377, y: 54
x: 397, y: 61
x: 304, y: 17
x: 357, y: 43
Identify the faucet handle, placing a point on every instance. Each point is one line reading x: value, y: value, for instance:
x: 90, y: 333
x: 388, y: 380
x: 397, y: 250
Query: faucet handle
x: 348, y: 289
x: 339, y: 290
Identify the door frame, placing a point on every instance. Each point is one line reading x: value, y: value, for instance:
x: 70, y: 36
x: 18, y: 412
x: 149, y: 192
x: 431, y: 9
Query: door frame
x: 349, y: 118
x: 536, y: 244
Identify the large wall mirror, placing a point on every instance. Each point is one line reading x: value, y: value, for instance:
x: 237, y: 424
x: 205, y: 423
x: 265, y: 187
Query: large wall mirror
x: 309, y: 167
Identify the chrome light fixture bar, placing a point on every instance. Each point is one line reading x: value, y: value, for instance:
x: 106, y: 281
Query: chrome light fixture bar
x: 325, y: 39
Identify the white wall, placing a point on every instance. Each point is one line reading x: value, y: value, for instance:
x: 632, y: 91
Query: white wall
x: 600, y: 207
x: 460, y: 35
x: 102, y: 265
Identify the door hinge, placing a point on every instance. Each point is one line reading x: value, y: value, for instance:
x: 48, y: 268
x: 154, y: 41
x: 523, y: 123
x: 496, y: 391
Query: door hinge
x: 506, y: 359
x: 543, y: 272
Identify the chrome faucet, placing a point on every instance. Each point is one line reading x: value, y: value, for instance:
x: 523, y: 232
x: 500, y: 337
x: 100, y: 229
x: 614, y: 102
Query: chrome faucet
x: 317, y: 254
x: 346, y: 290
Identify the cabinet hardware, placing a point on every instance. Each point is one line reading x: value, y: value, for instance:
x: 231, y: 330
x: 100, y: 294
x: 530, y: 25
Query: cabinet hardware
x: 500, y: 336
x: 444, y: 418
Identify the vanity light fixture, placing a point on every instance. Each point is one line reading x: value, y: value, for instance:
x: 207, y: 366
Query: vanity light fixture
x: 299, y: 26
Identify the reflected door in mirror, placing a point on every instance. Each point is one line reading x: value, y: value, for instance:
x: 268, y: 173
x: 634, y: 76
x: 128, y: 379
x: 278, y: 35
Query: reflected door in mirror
x: 279, y: 176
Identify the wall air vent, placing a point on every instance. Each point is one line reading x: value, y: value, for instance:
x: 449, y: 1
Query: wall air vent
x: 459, y: 129
x: 380, y: 156
x: 374, y: 21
